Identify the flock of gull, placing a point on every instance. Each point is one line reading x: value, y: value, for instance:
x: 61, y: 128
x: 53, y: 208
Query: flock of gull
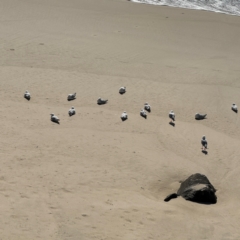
x: 124, y: 115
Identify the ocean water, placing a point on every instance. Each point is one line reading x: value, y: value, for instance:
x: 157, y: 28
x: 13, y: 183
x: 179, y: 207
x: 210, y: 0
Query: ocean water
x: 231, y: 7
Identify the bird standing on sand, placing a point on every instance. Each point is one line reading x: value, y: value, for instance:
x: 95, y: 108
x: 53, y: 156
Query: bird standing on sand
x: 172, y: 116
x: 71, y: 111
x: 101, y: 101
x: 147, y: 107
x: 54, y: 118
x: 234, y: 108
x: 124, y: 116
x: 71, y: 96
x: 204, y: 143
x: 27, y: 95
x: 122, y: 90
x: 143, y: 113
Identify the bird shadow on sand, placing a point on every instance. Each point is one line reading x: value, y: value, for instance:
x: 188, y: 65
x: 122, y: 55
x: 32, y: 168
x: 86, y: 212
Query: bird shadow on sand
x: 172, y: 124
x: 124, y: 119
x: 200, y: 119
x: 236, y: 111
x: 71, y: 99
x: 55, y: 122
x: 101, y: 103
x: 205, y: 152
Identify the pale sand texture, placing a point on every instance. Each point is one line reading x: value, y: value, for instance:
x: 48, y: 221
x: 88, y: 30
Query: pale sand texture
x: 93, y: 176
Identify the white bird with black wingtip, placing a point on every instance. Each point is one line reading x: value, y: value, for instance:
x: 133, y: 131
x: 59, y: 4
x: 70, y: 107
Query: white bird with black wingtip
x: 71, y: 111
x: 122, y: 90
x: 172, y: 115
x: 143, y: 113
x: 204, y: 143
x: 54, y: 118
x: 147, y: 107
x: 27, y: 95
x: 124, y: 116
x: 234, y: 108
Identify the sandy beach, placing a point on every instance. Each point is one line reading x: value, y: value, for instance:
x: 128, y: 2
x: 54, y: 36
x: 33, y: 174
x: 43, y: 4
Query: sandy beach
x: 94, y: 176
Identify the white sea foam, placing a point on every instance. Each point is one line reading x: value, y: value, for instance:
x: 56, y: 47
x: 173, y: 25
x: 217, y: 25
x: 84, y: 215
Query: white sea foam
x: 221, y: 6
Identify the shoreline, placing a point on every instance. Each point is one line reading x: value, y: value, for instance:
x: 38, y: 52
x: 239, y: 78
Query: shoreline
x: 189, y: 8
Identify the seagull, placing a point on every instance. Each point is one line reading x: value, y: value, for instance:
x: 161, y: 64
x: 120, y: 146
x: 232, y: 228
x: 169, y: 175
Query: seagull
x: 27, y: 95
x: 71, y: 111
x: 172, y: 116
x: 147, y: 107
x: 122, y: 90
x: 101, y: 101
x: 124, y: 116
x: 143, y: 114
x: 234, y: 108
x: 204, y: 143
x: 199, y: 116
x: 54, y: 118
x: 71, y: 96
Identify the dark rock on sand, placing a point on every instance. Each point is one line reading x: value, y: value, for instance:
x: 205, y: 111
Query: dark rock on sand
x: 197, y: 188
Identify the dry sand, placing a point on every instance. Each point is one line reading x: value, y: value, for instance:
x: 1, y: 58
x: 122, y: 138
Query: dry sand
x: 93, y: 176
